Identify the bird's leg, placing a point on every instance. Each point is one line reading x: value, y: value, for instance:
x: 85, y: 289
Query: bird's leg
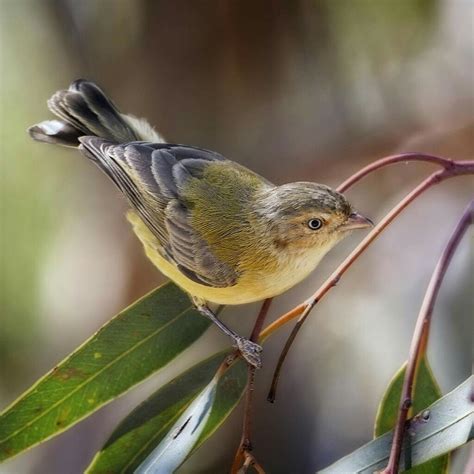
x: 249, y: 350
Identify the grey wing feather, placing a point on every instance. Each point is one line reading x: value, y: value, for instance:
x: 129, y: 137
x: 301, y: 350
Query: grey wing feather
x: 162, y: 164
x: 151, y: 176
x: 112, y: 159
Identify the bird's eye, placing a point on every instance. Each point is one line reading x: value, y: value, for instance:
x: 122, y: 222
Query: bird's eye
x: 315, y: 224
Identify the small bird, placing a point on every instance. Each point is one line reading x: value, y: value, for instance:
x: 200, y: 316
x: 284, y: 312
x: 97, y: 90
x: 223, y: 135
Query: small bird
x: 221, y: 232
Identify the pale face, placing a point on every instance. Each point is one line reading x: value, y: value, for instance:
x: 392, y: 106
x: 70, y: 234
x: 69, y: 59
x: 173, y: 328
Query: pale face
x: 311, y: 229
x: 308, y: 215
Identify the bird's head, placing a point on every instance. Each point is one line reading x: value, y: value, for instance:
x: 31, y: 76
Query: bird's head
x: 304, y: 215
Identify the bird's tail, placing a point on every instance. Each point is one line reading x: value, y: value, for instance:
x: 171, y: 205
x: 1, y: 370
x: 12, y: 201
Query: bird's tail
x: 84, y: 110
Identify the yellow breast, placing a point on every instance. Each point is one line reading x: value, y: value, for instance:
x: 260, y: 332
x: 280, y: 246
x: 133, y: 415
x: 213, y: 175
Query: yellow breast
x: 253, y: 285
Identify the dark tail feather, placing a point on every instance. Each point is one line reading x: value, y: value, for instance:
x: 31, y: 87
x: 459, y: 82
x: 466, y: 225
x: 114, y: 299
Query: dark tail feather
x: 83, y: 109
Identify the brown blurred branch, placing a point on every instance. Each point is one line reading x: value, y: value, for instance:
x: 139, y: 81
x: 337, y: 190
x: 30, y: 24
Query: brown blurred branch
x: 420, y: 336
x: 450, y: 169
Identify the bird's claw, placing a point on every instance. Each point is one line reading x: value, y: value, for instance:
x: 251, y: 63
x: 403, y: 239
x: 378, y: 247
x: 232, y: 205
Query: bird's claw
x: 250, y: 351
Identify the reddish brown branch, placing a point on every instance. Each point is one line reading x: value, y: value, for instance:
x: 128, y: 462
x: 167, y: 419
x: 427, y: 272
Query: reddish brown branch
x: 281, y: 321
x: 451, y: 169
x: 390, y: 160
x: 257, y: 328
x: 421, y: 334
x: 243, y: 457
x: 251, y: 461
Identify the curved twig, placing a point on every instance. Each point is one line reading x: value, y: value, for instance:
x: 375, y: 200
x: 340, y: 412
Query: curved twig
x: 421, y: 334
x: 390, y: 160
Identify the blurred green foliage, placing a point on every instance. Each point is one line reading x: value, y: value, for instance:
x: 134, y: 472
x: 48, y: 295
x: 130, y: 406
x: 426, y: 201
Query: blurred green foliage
x: 30, y: 212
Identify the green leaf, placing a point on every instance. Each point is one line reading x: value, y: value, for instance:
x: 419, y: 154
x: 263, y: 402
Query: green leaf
x: 448, y: 427
x: 426, y: 392
x: 179, y: 441
x: 146, y: 426
x: 137, y: 342
x: 230, y: 389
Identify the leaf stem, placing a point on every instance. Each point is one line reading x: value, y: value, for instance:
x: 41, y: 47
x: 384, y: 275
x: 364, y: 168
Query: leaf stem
x: 421, y: 334
x: 450, y: 169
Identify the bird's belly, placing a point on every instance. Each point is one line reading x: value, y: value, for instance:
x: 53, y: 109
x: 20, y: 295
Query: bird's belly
x: 247, y: 290
x: 253, y: 285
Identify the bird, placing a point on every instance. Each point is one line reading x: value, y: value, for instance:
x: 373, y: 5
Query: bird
x: 224, y: 234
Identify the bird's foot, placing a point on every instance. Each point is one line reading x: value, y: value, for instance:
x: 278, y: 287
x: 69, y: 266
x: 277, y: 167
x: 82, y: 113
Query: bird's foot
x: 250, y: 351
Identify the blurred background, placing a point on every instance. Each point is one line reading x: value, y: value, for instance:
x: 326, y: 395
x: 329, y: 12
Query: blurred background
x: 296, y: 90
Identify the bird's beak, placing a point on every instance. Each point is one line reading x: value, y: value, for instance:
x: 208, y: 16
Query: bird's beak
x: 356, y: 221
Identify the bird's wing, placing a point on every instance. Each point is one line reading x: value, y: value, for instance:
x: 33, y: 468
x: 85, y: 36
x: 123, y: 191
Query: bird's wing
x: 152, y: 177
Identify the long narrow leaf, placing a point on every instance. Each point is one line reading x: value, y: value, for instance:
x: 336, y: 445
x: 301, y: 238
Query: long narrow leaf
x: 444, y: 426
x: 145, y: 427
x: 137, y: 342
x: 183, y: 435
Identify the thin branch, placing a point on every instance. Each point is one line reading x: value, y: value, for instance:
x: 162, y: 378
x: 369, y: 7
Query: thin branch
x: 251, y: 461
x: 390, y: 160
x: 421, y: 334
x: 281, y: 321
x: 243, y: 457
x: 451, y: 169
x: 257, y: 328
